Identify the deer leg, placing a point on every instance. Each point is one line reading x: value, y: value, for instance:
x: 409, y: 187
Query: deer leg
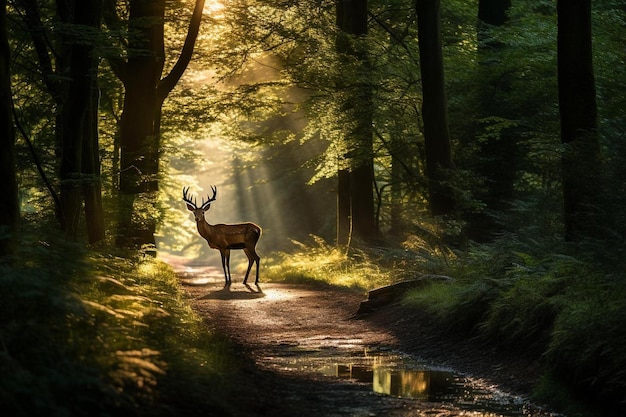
x: 228, y: 265
x: 226, y: 277
x: 245, y: 280
x: 252, y: 258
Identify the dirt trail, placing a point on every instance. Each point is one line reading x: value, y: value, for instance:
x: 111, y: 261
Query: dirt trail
x: 277, y: 325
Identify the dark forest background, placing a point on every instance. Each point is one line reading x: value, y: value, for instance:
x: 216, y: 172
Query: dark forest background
x: 481, y: 140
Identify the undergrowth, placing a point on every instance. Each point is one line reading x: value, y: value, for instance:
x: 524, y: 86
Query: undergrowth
x: 82, y: 333
x: 360, y: 269
x: 552, y: 302
x: 562, y: 305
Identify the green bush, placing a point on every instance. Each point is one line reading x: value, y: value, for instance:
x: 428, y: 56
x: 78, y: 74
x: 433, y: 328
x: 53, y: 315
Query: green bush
x: 588, y: 339
x: 567, y: 310
x: 88, y: 334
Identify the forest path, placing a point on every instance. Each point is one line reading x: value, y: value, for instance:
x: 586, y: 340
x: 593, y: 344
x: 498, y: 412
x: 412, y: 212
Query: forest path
x: 305, y: 355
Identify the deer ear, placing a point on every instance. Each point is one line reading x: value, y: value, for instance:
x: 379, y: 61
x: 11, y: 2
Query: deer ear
x: 189, y: 207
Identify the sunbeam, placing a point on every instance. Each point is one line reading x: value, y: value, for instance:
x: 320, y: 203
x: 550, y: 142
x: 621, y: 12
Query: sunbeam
x: 214, y: 8
x: 263, y: 183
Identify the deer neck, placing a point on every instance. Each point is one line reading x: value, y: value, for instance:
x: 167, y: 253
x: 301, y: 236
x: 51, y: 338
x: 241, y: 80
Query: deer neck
x: 205, y: 229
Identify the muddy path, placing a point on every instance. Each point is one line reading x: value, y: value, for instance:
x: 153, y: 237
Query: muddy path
x: 304, y: 354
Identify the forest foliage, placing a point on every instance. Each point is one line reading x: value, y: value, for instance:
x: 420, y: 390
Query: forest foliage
x: 313, y: 125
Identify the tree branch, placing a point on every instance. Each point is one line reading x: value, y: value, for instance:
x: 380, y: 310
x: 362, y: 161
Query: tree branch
x: 44, y: 177
x: 42, y: 46
x: 110, y: 17
x: 168, y: 83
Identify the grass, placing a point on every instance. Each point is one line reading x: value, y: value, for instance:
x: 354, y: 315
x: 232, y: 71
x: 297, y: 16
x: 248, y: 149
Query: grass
x: 562, y: 305
x: 359, y: 269
x: 326, y: 264
x: 554, y: 303
x: 82, y: 333
x: 86, y: 333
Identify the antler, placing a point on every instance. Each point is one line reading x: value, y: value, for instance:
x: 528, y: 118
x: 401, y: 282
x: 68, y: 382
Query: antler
x: 206, y: 204
x: 194, y: 202
x: 188, y: 200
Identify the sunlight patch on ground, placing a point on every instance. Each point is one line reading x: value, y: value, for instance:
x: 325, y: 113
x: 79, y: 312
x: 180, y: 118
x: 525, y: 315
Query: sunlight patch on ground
x: 277, y: 294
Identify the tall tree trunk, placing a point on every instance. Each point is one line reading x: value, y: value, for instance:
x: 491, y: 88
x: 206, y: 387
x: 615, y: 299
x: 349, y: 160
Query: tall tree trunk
x: 496, y: 158
x: 356, y: 183
x: 344, y: 216
x: 579, y: 119
x: 396, y: 225
x: 80, y: 168
x: 435, y: 108
x: 71, y: 121
x: 9, y: 206
x: 139, y: 142
x: 139, y: 135
x: 92, y: 184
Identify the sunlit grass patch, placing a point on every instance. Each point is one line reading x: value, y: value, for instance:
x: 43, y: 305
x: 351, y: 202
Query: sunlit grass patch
x: 150, y: 328
x: 328, y: 264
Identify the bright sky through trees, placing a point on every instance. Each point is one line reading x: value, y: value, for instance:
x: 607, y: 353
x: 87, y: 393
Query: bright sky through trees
x: 213, y: 8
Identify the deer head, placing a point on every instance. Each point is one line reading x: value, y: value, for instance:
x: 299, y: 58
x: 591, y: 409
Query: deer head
x: 192, y: 206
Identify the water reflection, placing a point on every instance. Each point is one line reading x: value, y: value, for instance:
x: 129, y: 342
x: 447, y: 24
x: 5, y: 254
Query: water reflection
x: 400, y: 376
x: 425, y: 385
x: 422, y: 385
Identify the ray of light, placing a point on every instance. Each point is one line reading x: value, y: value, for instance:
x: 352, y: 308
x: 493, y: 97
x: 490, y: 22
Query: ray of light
x: 214, y: 8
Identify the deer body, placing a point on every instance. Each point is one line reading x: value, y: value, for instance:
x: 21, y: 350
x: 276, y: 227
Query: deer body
x: 225, y: 237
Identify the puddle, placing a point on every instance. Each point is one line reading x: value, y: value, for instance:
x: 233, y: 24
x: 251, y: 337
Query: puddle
x: 399, y: 376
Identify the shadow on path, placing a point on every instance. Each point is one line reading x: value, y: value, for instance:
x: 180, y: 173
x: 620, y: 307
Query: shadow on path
x: 227, y: 293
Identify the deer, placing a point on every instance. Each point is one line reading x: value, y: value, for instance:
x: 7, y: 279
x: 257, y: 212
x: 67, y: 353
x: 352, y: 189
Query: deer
x: 225, y: 237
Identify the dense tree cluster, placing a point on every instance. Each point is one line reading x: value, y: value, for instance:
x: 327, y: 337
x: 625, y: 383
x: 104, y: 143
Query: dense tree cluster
x: 422, y: 109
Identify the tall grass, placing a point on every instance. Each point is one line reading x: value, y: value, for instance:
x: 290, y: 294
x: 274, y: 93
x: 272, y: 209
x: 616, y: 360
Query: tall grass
x: 360, y: 269
x: 83, y: 333
x: 320, y: 262
x: 564, y: 306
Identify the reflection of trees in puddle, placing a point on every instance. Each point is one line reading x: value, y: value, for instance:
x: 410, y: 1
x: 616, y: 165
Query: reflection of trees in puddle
x: 423, y: 385
x: 387, y: 375
x: 426, y: 385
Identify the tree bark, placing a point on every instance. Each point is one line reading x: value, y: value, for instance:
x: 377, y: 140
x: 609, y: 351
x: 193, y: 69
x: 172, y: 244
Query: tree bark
x: 435, y: 108
x: 344, y: 215
x: 92, y: 185
x: 579, y: 119
x: 9, y: 204
x: 72, y: 83
x: 80, y: 169
x: 141, y: 117
x: 139, y: 144
x: 356, y: 216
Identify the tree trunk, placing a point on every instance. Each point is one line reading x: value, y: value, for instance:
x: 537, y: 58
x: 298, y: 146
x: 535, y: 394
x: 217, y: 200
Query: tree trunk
x: 435, y: 109
x: 9, y: 205
x: 397, y: 224
x: 496, y: 160
x: 356, y: 183
x: 139, y: 143
x: 579, y: 119
x: 80, y: 164
x: 139, y: 135
x: 72, y: 119
x: 92, y: 185
x: 344, y: 216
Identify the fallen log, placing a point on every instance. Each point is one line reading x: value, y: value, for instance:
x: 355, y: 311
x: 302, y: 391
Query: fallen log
x: 388, y: 294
